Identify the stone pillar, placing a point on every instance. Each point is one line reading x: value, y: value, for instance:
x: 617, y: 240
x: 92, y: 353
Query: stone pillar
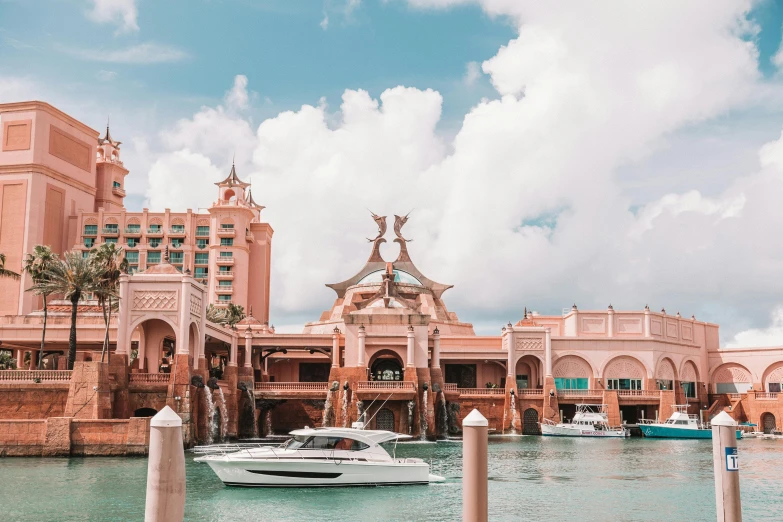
x: 248, y: 348
x: 123, y: 318
x: 33, y: 357
x: 646, y: 321
x: 232, y: 357
x: 336, y: 348
x: 20, y: 359
x: 360, y: 355
x: 510, y: 363
x: 435, y: 363
x: 548, y: 352
x: 411, y: 362
x: 610, y: 322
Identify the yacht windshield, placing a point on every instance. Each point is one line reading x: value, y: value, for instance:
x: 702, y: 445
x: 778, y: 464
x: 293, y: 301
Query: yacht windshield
x: 326, y: 443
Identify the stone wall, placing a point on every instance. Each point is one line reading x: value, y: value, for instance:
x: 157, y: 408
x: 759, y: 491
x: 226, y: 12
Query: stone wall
x: 296, y: 414
x: 33, y: 401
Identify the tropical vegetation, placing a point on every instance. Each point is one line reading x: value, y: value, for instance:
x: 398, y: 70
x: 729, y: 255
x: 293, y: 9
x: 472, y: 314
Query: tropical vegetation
x: 229, y: 316
x: 109, y: 263
x: 4, y: 272
x: 36, y: 264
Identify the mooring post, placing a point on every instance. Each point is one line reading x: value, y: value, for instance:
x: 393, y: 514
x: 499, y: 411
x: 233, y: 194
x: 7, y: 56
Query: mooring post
x: 166, y: 469
x: 474, y: 468
x: 726, y: 464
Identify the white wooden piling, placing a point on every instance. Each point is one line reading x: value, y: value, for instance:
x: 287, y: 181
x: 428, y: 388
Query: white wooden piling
x: 474, y: 468
x: 166, y: 469
x: 726, y: 464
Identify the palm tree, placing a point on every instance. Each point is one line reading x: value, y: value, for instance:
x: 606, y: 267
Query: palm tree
x: 230, y: 315
x: 109, y: 263
x: 36, y: 265
x: 5, y: 272
x: 72, y: 276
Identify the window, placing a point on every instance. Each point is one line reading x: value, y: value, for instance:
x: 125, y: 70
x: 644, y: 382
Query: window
x: 226, y: 241
x: 224, y: 283
x: 177, y: 228
x: 224, y: 269
x: 228, y: 226
x: 689, y: 388
x: 176, y: 243
x: 110, y: 240
x: 89, y: 242
x: 201, y: 272
x: 664, y: 384
x: 578, y: 383
x: 132, y: 242
x: 326, y: 443
x: 111, y: 228
x: 522, y: 382
x: 623, y: 384
x: 224, y: 297
x: 132, y: 256
x: 202, y: 231
x: 464, y: 375
x: 132, y: 269
x: 133, y: 228
x: 202, y: 258
x: 226, y: 254
x: 85, y: 254
x: 90, y: 230
x: 153, y: 258
x: 176, y: 258
x: 202, y: 243
x: 154, y: 228
x: 154, y: 243
x: 116, y: 184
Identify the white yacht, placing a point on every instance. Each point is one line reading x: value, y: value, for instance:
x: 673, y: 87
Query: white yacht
x: 318, y: 457
x: 590, y: 420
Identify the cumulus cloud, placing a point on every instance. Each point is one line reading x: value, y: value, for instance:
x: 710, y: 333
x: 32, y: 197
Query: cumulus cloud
x: 754, y: 337
x: 472, y: 73
x: 122, y: 13
x: 522, y: 207
x: 148, y: 52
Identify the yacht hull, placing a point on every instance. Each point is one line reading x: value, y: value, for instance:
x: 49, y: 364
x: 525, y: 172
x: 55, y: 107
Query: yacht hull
x: 312, y: 473
x: 562, y: 431
x: 657, y: 431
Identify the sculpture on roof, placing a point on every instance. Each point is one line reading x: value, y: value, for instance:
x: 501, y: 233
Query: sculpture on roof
x: 399, y: 222
x: 381, y: 222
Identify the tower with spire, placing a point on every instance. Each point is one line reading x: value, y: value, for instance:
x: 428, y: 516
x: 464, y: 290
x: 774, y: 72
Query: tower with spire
x: 110, y: 175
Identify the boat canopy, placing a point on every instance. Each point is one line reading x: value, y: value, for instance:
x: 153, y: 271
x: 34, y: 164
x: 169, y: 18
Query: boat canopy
x: 366, y: 436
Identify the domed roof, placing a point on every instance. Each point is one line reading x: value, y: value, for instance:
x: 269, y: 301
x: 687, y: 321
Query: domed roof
x: 163, y: 268
x: 400, y: 276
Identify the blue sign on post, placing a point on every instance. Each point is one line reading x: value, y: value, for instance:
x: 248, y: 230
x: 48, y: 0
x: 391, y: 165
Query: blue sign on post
x: 732, y: 459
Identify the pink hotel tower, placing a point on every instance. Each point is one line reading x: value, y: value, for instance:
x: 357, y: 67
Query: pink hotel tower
x: 388, y: 335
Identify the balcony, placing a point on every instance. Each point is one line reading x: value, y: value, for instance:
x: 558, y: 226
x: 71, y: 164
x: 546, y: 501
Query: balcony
x: 118, y: 191
x: 39, y: 376
x: 481, y: 392
x: 226, y: 261
x: 450, y: 386
x: 226, y: 232
x: 766, y: 396
x: 639, y: 394
x: 249, y: 236
x: 579, y: 394
x: 155, y: 232
x: 149, y: 378
x: 176, y: 233
x: 202, y: 233
x: 292, y: 390
x: 224, y: 276
x: 373, y: 388
x: 224, y: 289
x: 110, y: 231
x: 135, y: 232
x: 530, y: 392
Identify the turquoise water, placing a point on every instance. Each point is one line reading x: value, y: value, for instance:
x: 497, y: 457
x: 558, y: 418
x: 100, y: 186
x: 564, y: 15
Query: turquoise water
x: 531, y: 478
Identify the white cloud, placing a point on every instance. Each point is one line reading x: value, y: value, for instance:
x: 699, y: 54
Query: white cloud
x: 472, y: 73
x: 106, y: 76
x: 148, y: 52
x: 325, y: 22
x: 237, y: 98
x: 769, y: 336
x: 522, y: 208
x: 122, y: 13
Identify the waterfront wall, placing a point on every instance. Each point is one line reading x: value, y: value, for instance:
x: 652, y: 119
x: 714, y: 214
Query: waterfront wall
x: 33, y: 400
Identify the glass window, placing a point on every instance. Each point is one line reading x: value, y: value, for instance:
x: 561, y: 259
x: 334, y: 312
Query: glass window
x: 132, y: 269
x: 226, y: 241
x: 132, y: 256
x: 226, y: 254
x: 153, y: 258
x: 575, y: 383
x: 224, y: 297
x: 116, y: 184
x: 202, y: 231
x: 110, y: 240
x: 201, y: 272
x: 202, y: 258
x: 111, y: 227
x: 85, y: 254
x: 664, y: 384
x: 89, y: 242
x: 90, y: 230
x: 689, y: 388
x: 155, y: 228
x: 155, y: 243
x: 177, y: 228
x: 227, y: 225
x: 176, y: 257
x: 176, y: 243
x: 202, y: 243
x: 624, y: 384
x: 224, y: 283
x: 224, y: 269
x: 132, y: 242
x: 134, y: 228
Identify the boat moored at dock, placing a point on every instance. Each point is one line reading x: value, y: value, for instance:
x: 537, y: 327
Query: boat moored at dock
x: 590, y: 420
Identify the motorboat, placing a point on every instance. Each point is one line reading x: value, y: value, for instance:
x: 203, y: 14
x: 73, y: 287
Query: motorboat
x: 321, y: 457
x: 590, y: 420
x: 749, y: 431
x: 681, y: 425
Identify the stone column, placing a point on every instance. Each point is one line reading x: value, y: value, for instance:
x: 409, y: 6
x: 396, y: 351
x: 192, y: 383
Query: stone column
x: 610, y: 322
x: 411, y: 362
x: 232, y: 358
x: 362, y: 342
x: 435, y: 363
x: 336, y: 348
x: 548, y: 351
x: 646, y: 321
x: 248, y: 348
x: 123, y: 318
x: 33, y: 359
x: 510, y: 363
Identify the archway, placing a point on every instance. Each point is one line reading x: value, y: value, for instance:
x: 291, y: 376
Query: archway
x: 384, y: 420
x: 665, y: 374
x: 572, y: 373
x: 527, y: 372
x: 386, y: 365
x: 689, y: 378
x: 732, y: 378
x: 773, y: 379
x: 624, y: 373
x: 145, y: 412
x: 530, y: 422
x: 768, y: 422
x: 157, y: 344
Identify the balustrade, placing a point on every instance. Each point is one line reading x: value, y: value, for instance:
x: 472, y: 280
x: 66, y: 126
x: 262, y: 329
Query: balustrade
x: 481, y: 391
x: 33, y: 375
x: 766, y: 396
x: 145, y: 378
x: 385, y: 385
x: 292, y: 386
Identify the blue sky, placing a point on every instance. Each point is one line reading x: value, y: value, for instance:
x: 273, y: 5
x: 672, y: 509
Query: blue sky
x: 555, y: 152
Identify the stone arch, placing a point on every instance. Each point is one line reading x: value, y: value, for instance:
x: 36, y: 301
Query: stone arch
x: 153, y: 330
x: 531, y: 364
x: 145, y: 412
x: 193, y: 341
x: 90, y: 221
x: 101, y: 154
x: 731, y: 378
x: 384, y: 420
x: 110, y: 220
x: 666, y: 370
x: 689, y: 372
x: 773, y: 375
x: 156, y: 221
x: 571, y: 366
x: 228, y: 194
x: 624, y: 367
x: 134, y: 221
x: 768, y: 422
x: 385, y: 360
x: 177, y: 221
x: 202, y: 223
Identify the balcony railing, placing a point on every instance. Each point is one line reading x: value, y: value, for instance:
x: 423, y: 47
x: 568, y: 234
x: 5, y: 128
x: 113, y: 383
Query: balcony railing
x: 225, y: 260
x: 406, y: 386
x: 132, y: 232
x: 110, y: 231
x: 736, y: 396
x: 224, y: 275
x: 176, y: 233
x: 766, y: 396
x: 450, y: 386
x: 292, y: 386
x: 224, y: 289
x: 149, y: 378
x: 155, y: 232
x: 32, y: 375
x: 580, y: 393
x: 482, y: 391
x: 530, y: 391
x: 118, y: 191
x: 639, y: 393
x: 226, y: 232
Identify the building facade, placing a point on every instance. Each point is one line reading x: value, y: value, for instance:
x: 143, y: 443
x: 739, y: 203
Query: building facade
x: 388, y: 351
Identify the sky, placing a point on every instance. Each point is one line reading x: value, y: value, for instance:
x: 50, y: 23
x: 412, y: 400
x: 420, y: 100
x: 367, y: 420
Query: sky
x: 557, y: 153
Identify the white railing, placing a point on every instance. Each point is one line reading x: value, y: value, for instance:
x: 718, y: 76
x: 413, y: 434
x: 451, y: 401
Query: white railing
x: 450, y: 386
x: 292, y: 386
x: 32, y: 375
x: 529, y: 391
x: 736, y: 396
x: 766, y: 396
x: 481, y: 391
x: 150, y: 378
x: 385, y: 385
x: 638, y: 393
x: 580, y: 393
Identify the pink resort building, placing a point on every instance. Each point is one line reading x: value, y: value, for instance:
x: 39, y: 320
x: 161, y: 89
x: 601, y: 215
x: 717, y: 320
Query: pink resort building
x: 388, y: 347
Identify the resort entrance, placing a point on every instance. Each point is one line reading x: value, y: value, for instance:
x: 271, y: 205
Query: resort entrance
x: 530, y: 422
x: 384, y: 420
